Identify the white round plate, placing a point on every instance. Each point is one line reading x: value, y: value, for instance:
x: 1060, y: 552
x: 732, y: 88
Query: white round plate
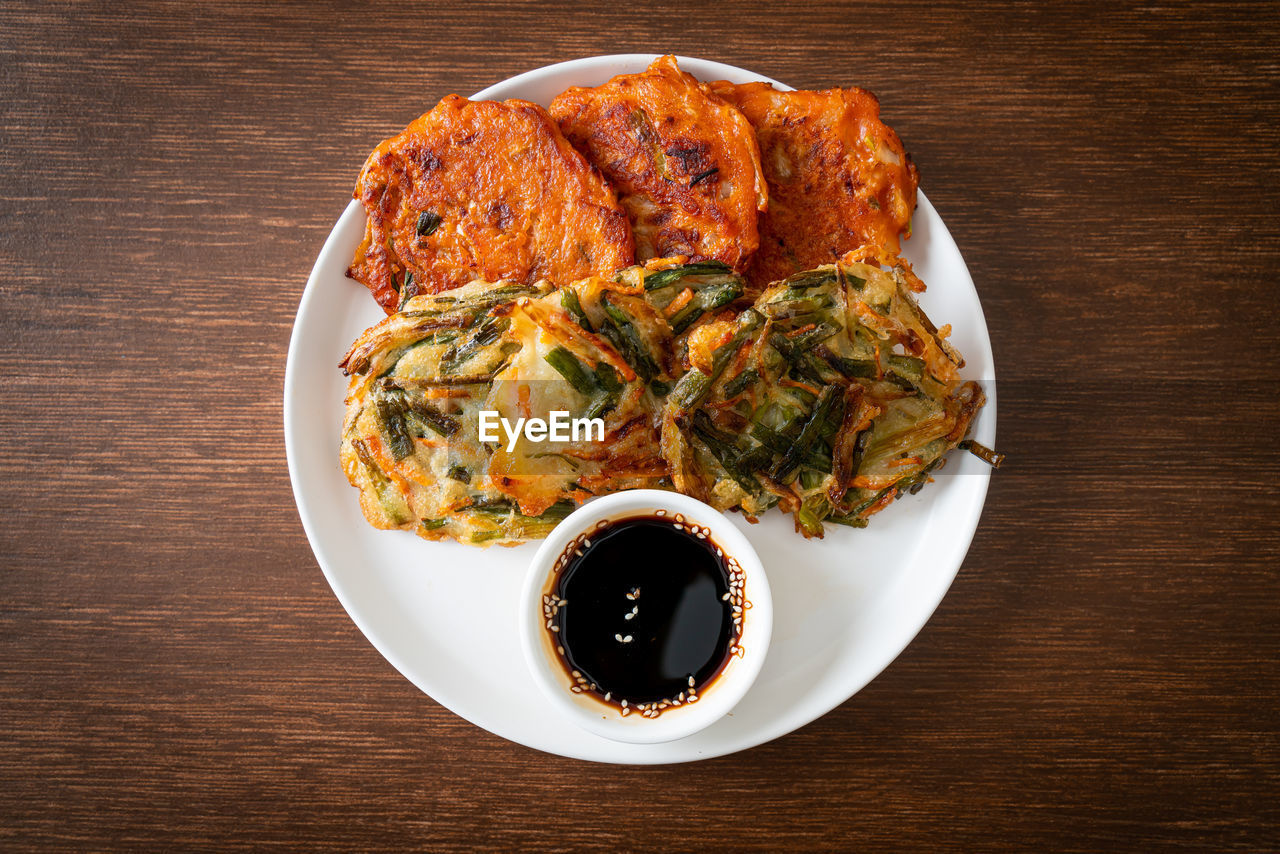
x: 444, y: 614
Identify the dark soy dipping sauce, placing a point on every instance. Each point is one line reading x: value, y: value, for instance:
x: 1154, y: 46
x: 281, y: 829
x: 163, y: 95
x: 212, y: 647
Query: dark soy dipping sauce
x: 673, y: 585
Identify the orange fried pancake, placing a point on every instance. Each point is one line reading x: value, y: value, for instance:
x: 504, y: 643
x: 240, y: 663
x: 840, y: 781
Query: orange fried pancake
x: 839, y: 179
x: 686, y: 163
x: 484, y: 190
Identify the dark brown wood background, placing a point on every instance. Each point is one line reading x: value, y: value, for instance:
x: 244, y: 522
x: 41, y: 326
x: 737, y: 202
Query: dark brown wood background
x: 174, y: 671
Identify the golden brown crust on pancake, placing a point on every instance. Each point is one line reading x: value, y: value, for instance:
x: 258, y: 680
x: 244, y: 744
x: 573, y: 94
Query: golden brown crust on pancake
x: 839, y: 179
x: 484, y: 190
x: 686, y: 163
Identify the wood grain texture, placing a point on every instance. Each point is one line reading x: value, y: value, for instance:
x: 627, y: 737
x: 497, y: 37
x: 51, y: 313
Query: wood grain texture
x: 174, y: 672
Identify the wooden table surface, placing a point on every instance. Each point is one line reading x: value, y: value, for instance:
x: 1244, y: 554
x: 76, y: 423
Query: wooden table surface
x: 176, y: 673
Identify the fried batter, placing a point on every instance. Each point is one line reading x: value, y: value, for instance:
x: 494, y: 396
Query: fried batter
x: 829, y: 397
x: 483, y: 190
x: 840, y: 183
x: 686, y: 163
x: 596, y: 348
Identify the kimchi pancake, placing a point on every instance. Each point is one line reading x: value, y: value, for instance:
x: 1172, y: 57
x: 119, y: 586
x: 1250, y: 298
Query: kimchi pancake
x: 685, y: 162
x: 483, y: 190
x: 840, y: 183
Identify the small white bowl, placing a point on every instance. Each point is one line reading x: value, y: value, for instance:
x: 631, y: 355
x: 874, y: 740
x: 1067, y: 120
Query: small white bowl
x: 718, y: 698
